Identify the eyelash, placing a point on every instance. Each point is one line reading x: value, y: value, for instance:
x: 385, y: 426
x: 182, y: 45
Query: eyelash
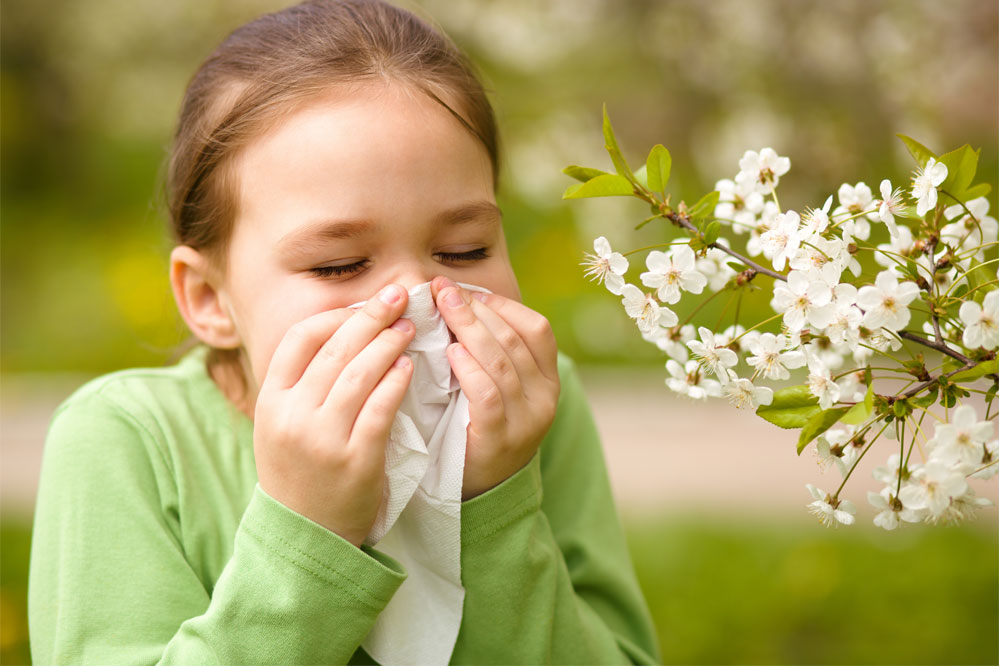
x: 348, y: 269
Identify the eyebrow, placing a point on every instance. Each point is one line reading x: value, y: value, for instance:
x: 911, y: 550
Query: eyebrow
x: 304, y: 239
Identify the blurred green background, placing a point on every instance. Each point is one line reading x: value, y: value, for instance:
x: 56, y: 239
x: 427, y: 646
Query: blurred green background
x: 89, y: 93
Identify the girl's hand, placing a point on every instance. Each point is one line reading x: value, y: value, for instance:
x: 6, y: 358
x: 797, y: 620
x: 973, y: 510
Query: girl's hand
x: 325, y: 408
x: 505, y: 362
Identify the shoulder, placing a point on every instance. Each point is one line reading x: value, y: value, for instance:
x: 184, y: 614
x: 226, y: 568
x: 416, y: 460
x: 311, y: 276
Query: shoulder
x: 148, y: 404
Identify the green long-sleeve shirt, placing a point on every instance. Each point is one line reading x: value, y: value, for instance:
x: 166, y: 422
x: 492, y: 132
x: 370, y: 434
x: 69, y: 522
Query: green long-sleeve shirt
x: 153, y: 543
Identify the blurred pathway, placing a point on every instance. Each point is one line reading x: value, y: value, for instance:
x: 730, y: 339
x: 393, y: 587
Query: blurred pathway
x: 664, y: 453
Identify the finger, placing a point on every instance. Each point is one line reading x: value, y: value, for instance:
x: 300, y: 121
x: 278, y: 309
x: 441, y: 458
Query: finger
x: 378, y: 313
x: 479, y: 341
x: 351, y: 388
x: 299, y: 345
x: 374, y: 422
x: 532, y: 327
x: 511, y: 342
x: 486, y: 405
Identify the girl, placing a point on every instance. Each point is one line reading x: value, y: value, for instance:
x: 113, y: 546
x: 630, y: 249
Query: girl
x: 216, y: 511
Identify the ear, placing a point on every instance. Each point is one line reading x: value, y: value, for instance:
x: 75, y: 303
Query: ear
x: 201, y: 298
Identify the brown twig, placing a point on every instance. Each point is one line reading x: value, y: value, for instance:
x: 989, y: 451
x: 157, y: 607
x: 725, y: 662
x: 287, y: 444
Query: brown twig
x: 685, y: 222
x: 940, y: 347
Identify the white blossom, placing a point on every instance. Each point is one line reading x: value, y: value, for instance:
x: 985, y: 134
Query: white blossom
x: 830, y: 511
x: 821, y: 383
x: 646, y: 312
x: 899, y: 244
x: 856, y: 200
x: 780, y: 243
x: 890, y: 206
x: 673, y: 340
x: 963, y: 507
x: 834, y: 446
x: 770, y: 358
x: 689, y: 380
x: 889, y: 508
x: 931, y: 487
x: 740, y: 203
x: 886, y: 303
x: 981, y: 328
x: 960, y: 443
x: 715, y: 266
x: 821, y: 254
x: 744, y: 394
x: 715, y: 357
x: 670, y: 273
x: 845, y: 322
x: 969, y: 233
x: 762, y: 171
x: 925, y: 184
x: 803, y: 299
x: 816, y: 221
x: 988, y: 465
x: 606, y: 266
x: 767, y: 221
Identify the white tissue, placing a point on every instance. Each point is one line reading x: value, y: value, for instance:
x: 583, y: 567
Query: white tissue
x: 419, y: 522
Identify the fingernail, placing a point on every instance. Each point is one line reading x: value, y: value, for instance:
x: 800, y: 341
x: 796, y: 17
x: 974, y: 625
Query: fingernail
x: 459, y: 350
x: 479, y: 295
x: 402, y: 362
x: 453, y: 299
x: 390, y: 294
x: 401, y: 325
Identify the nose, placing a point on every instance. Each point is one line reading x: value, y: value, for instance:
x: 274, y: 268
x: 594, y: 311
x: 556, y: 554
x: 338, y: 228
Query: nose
x: 409, y: 274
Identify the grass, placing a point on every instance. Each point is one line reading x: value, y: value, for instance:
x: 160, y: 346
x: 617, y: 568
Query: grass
x: 769, y: 593
x: 729, y: 592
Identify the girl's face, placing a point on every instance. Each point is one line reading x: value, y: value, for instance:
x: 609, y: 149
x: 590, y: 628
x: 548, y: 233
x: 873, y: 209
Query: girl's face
x: 366, y: 187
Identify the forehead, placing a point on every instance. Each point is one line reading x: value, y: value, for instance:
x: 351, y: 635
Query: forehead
x: 377, y: 152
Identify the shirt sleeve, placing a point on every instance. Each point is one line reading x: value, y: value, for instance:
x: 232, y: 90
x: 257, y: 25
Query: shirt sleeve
x: 109, y: 582
x: 548, y: 578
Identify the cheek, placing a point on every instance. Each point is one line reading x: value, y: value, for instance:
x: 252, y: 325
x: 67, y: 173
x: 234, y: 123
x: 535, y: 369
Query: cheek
x: 277, y: 309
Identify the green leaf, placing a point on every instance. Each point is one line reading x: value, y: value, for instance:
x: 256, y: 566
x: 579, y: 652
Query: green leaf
x: 860, y: 412
x: 976, y: 191
x: 712, y: 232
x: 928, y: 399
x: 817, y: 425
x: 611, y: 144
x: 583, y: 173
x: 919, y: 152
x: 658, y: 168
x: 977, y: 371
x: 791, y: 407
x: 606, y: 185
x: 961, y: 163
x: 640, y: 176
x: 705, y: 206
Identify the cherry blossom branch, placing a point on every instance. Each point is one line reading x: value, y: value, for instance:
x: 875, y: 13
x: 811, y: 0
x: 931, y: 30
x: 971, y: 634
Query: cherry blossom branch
x: 683, y: 221
x: 940, y: 347
x: 923, y: 385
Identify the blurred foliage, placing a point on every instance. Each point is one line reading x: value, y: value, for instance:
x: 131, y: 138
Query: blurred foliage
x: 728, y: 593
x: 89, y: 93
x: 755, y: 592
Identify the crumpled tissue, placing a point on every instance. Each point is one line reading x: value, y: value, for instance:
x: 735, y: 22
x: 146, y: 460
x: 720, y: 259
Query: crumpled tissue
x: 419, y: 521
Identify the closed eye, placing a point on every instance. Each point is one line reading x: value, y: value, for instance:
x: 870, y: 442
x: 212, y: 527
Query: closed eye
x: 337, y: 270
x: 469, y: 256
x: 340, y: 270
